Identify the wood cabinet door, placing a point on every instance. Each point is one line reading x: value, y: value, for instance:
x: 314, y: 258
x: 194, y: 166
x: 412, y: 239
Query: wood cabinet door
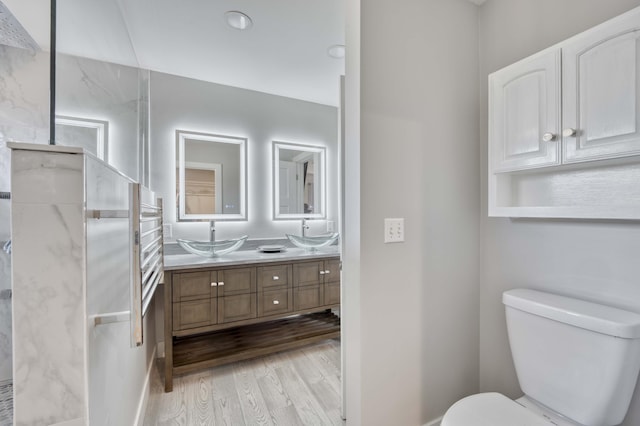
x: 274, y: 302
x: 524, y: 106
x: 308, y: 273
x: 271, y: 277
x: 308, y: 297
x: 332, y: 293
x: 193, y: 286
x: 195, y: 313
x: 236, y: 281
x: 601, y: 90
x: 236, y: 308
x: 331, y: 271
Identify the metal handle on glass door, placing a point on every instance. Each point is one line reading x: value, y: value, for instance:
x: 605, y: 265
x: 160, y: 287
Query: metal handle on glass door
x: 568, y: 132
x: 548, y: 137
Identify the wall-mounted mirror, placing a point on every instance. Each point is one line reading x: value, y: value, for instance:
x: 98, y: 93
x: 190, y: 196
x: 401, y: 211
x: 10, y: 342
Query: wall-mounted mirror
x: 299, y: 181
x: 210, y: 176
x: 92, y: 135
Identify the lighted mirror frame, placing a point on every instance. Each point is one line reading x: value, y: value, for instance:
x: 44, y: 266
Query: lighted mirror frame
x: 321, y: 210
x: 100, y: 127
x: 181, y: 137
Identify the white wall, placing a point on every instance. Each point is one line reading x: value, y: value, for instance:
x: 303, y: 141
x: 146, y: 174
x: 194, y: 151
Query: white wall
x: 418, y: 300
x: 595, y: 260
x: 194, y: 105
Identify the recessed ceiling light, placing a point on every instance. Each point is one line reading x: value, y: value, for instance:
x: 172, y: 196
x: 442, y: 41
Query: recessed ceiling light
x: 336, y: 51
x: 238, y: 20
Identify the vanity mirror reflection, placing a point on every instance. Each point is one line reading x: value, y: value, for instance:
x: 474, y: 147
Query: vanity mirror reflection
x: 299, y: 181
x: 210, y: 176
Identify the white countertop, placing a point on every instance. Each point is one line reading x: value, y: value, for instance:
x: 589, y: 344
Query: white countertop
x: 244, y: 257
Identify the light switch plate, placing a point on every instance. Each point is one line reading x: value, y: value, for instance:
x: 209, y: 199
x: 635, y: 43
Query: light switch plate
x: 394, y: 230
x: 331, y: 226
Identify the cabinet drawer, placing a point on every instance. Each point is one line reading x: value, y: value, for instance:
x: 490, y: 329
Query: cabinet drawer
x: 274, y: 276
x: 193, y: 286
x: 332, y: 293
x: 196, y: 313
x: 275, y: 302
x: 236, y: 308
x: 236, y: 281
x: 308, y: 297
x: 308, y: 273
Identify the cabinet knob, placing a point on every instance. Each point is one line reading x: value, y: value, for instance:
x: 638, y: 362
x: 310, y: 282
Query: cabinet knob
x: 221, y: 283
x: 276, y: 302
x: 276, y: 278
x: 214, y: 284
x: 548, y: 137
x: 322, y: 272
x: 568, y: 132
x: 327, y: 272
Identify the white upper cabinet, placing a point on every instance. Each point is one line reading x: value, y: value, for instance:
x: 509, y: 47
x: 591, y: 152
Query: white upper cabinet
x: 564, y: 128
x: 525, y: 112
x: 601, y: 76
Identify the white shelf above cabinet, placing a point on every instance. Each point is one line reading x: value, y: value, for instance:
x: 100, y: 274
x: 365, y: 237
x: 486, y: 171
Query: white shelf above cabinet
x: 539, y: 167
x: 608, y: 189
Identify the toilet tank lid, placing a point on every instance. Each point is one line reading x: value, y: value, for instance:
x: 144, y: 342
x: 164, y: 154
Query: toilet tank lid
x: 580, y: 313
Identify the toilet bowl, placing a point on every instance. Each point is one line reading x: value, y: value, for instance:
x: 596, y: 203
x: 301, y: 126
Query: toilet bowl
x: 577, y: 363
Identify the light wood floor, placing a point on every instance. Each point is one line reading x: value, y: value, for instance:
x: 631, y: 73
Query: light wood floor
x: 298, y: 387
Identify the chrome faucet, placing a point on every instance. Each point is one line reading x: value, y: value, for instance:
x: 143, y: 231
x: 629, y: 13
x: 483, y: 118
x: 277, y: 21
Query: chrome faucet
x: 212, y: 231
x: 304, y: 227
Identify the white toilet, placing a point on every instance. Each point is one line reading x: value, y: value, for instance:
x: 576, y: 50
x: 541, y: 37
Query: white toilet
x: 577, y: 363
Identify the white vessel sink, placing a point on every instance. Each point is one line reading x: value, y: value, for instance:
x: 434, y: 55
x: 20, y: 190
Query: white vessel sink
x: 314, y: 242
x: 212, y: 248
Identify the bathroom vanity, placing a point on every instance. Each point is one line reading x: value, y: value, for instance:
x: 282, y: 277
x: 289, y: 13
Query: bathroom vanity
x: 247, y: 304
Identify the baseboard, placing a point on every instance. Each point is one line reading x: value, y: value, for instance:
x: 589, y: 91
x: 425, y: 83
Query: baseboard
x: 435, y: 422
x: 144, y: 398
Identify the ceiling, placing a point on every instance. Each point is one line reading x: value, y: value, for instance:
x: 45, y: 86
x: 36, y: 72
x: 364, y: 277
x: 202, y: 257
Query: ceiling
x: 283, y: 53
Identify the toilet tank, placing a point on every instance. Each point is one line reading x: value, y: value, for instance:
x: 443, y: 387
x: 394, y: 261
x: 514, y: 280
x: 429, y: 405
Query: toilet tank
x: 580, y: 359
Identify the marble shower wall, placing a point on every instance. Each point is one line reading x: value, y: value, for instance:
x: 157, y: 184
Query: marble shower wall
x: 24, y: 117
x: 48, y: 288
x: 98, y: 90
x: 67, y: 269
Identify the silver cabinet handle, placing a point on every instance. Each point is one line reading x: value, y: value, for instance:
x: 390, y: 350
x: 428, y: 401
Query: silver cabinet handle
x: 322, y: 272
x: 568, y: 132
x: 214, y: 284
x: 276, y: 278
x: 276, y: 302
x: 221, y: 283
x: 327, y: 272
x: 548, y: 137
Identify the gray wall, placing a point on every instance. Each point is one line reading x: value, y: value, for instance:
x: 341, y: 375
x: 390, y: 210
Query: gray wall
x: 419, y: 160
x: 194, y: 105
x: 595, y: 260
